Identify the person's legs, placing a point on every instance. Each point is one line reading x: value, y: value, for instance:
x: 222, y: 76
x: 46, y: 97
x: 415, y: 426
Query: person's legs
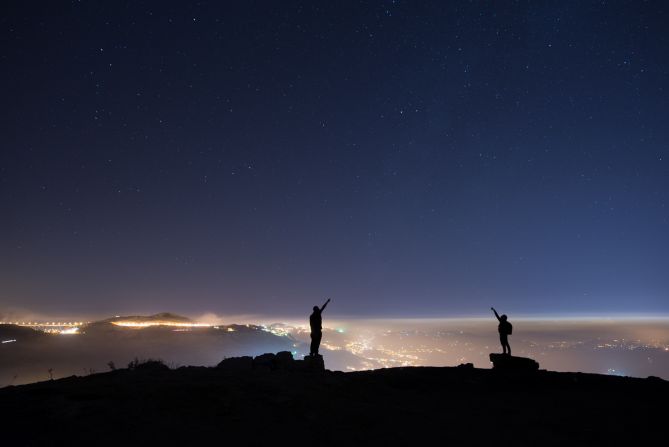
x: 315, y: 342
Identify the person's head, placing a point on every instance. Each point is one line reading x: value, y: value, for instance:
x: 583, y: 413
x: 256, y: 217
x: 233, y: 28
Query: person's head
x: 503, y: 318
x: 316, y: 308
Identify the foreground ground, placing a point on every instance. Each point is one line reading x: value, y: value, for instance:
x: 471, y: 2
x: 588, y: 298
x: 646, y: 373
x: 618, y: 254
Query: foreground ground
x: 400, y: 406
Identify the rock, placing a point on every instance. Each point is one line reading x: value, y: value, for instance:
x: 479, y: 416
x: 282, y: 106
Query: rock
x: 313, y: 363
x: 264, y: 361
x: 504, y: 362
x: 284, y: 360
x: 465, y: 366
x: 237, y: 363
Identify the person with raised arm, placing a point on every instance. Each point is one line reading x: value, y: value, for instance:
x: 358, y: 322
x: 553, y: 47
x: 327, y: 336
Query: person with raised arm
x: 316, y: 323
x: 505, y: 329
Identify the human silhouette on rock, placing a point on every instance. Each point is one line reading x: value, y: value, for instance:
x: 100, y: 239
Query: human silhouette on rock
x: 505, y: 329
x: 316, y: 323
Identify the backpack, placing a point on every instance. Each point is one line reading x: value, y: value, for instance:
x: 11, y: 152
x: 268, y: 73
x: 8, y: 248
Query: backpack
x: 509, y: 327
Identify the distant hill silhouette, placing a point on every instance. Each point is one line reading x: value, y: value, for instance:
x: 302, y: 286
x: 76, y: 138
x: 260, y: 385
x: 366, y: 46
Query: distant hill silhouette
x: 163, y: 316
x: 12, y: 331
x: 250, y: 404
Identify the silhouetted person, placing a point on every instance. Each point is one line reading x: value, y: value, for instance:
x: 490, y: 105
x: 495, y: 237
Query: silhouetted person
x: 316, y: 323
x: 505, y: 328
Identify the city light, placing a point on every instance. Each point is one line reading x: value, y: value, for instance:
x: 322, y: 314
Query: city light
x: 144, y: 324
x: 50, y: 327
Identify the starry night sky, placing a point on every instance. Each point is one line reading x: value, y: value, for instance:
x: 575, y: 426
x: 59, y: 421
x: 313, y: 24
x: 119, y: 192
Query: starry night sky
x: 403, y: 158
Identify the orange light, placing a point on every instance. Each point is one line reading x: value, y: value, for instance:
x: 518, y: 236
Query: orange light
x: 143, y: 324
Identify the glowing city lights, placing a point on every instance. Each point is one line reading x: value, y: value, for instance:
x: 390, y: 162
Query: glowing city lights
x: 144, y: 324
x: 50, y: 327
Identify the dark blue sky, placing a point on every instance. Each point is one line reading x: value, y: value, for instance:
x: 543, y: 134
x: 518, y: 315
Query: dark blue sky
x: 404, y: 159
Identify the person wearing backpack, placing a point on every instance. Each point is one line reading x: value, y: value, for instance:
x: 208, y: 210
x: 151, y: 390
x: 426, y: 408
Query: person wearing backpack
x: 505, y: 329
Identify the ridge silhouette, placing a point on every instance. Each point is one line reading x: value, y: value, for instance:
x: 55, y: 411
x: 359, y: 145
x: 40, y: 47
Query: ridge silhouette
x: 260, y: 401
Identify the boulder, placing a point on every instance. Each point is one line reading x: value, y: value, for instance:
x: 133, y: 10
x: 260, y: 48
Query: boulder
x: 237, y: 363
x: 504, y: 362
x: 284, y: 360
x: 313, y: 363
x: 264, y: 361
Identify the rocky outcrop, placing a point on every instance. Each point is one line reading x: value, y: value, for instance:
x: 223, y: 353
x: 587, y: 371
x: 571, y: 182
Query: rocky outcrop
x: 284, y: 360
x: 504, y: 362
x: 313, y: 363
x: 281, y: 361
x: 237, y: 364
x: 265, y: 362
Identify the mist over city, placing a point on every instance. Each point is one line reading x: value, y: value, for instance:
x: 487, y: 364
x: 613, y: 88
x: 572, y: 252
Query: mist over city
x: 637, y: 347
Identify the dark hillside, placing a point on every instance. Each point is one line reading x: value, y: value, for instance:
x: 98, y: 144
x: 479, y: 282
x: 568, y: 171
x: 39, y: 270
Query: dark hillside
x: 20, y: 333
x: 401, y: 406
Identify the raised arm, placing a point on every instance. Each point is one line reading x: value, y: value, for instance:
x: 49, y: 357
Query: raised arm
x: 496, y: 314
x: 326, y: 303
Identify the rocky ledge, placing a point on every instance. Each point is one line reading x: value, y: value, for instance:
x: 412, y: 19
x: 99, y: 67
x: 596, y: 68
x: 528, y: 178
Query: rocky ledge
x: 509, y: 363
x: 272, y: 362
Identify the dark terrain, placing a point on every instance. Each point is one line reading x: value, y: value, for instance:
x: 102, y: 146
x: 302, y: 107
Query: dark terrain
x: 399, y: 406
x: 35, y: 352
